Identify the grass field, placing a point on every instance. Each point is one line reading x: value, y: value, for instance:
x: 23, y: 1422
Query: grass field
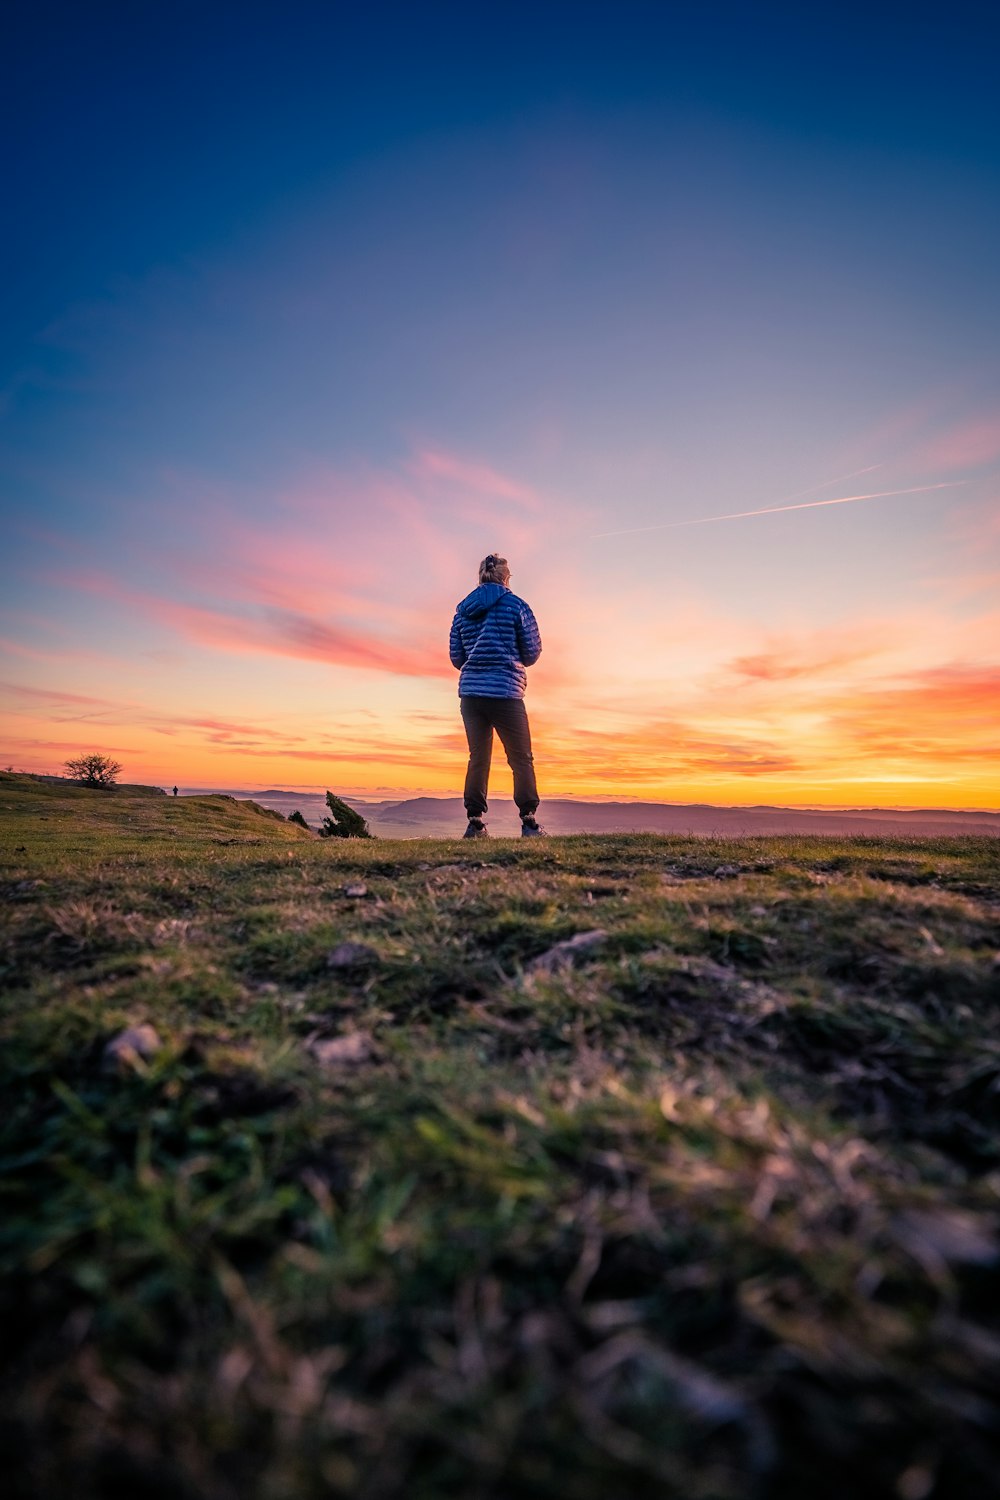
x: 404, y: 1199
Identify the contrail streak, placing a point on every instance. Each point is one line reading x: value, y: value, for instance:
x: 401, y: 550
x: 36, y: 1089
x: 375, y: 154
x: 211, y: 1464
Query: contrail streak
x: 838, y: 479
x: 770, y: 510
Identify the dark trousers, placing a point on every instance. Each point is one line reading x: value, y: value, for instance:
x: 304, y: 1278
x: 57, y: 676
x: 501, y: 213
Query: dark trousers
x: 509, y: 718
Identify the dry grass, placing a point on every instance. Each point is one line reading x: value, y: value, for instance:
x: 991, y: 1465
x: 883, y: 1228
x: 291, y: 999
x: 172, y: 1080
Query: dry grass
x: 708, y: 1206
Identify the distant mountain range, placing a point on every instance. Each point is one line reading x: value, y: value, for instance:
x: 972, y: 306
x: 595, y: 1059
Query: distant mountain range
x: 444, y: 817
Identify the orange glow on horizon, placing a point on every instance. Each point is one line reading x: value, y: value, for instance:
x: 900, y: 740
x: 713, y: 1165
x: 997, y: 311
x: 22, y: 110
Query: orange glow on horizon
x: 926, y: 743
x: 273, y: 667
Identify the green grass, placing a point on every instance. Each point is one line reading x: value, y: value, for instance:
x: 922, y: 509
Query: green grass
x: 710, y: 1212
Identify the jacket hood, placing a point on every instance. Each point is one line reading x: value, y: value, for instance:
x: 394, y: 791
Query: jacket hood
x: 476, y: 604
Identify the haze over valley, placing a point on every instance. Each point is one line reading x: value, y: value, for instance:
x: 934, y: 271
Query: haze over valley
x: 444, y: 817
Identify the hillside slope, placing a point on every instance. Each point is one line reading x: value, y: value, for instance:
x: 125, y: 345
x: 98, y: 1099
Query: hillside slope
x: 643, y: 1166
x: 41, y: 816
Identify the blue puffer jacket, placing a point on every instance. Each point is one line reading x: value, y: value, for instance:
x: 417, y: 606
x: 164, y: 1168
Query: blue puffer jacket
x: 494, y: 636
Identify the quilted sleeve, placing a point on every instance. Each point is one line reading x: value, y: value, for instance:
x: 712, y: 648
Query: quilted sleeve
x: 529, y: 642
x: 456, y: 650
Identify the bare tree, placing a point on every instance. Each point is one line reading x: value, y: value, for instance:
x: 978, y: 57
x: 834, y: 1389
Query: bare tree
x: 94, y: 769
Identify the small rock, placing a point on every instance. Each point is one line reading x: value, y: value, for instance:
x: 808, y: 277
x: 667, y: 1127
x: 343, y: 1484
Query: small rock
x: 351, y: 956
x: 949, y: 1235
x: 342, y: 1051
x: 726, y: 872
x: 933, y: 945
x: 563, y: 954
x: 916, y: 1482
x: 357, y: 889
x: 132, y: 1047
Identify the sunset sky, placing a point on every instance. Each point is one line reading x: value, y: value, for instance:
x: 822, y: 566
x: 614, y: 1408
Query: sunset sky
x: 306, y: 307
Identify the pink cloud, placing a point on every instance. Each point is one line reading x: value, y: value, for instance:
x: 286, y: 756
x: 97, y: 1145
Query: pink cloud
x: 110, y: 711
x: 40, y: 653
x: 356, y: 570
x: 658, y: 749
x: 23, y: 745
x: 476, y: 478
x: 286, y: 633
x: 282, y: 632
x: 969, y: 445
x: 275, y: 568
x: 783, y: 663
x: 932, y: 718
x: 414, y: 757
x: 53, y: 695
x: 902, y: 426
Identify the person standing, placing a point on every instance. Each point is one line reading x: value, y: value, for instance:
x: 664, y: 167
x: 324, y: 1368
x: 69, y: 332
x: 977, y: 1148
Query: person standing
x: 494, y: 639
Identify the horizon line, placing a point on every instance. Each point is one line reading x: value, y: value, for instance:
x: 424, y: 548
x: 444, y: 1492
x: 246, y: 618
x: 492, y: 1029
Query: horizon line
x: 625, y: 801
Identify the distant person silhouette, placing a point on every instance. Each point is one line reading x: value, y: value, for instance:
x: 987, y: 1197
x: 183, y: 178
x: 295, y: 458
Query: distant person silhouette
x: 494, y: 637
x: 175, y: 791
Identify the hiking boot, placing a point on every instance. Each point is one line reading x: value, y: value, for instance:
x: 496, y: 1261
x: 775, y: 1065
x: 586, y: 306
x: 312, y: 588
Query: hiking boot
x: 530, y: 828
x: 476, y: 829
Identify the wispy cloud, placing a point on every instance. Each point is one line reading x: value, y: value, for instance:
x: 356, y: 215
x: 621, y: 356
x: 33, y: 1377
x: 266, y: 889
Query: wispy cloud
x: 969, y: 444
x: 829, y: 483
x: 664, y: 693
x: 287, y: 633
x: 63, y: 706
x: 54, y: 654
x: 813, y: 658
x: 54, y: 697
x: 660, y: 751
x: 943, y: 712
x: 474, y: 478
x: 352, y: 570
x: 933, y: 727
x: 265, y: 630
x: 15, y: 748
